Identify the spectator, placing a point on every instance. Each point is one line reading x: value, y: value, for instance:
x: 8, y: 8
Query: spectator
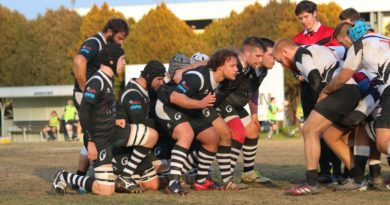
x: 50, y: 131
x: 273, y: 109
x: 70, y: 114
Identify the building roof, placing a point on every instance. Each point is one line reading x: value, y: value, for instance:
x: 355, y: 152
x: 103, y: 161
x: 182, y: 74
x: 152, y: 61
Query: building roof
x: 220, y: 9
x: 187, y: 10
x: 36, y: 91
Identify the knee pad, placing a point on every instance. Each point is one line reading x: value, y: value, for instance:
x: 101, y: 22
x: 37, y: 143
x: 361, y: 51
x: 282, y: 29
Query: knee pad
x: 238, y: 129
x: 104, y: 175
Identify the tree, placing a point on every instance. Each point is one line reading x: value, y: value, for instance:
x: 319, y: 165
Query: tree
x: 12, y: 41
x: 55, y: 35
x: 387, y: 30
x: 159, y: 35
x: 96, y: 18
x: 328, y: 14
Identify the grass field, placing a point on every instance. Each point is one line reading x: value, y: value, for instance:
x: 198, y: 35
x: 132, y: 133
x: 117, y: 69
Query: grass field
x: 27, y: 170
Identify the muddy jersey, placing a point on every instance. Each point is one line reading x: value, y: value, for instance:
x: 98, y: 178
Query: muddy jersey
x: 100, y: 94
x: 371, y: 52
x: 90, y: 50
x: 249, y: 84
x: 135, y: 104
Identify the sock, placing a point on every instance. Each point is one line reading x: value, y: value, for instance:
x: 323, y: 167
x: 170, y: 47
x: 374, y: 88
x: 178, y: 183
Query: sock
x: 206, y: 158
x: 249, y: 150
x: 223, y: 158
x: 178, y: 157
x: 81, y: 173
x: 345, y: 173
x: 324, y: 160
x: 360, y: 166
x: 361, y: 154
x: 311, y: 177
x: 236, y: 150
x: 70, y: 134
x: 336, y: 163
x: 139, y: 153
x: 81, y: 181
x: 375, y: 168
x: 191, y: 162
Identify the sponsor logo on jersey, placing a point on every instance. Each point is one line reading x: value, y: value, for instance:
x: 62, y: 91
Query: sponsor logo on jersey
x: 206, y: 112
x: 135, y: 107
x: 137, y: 102
x: 102, y: 155
x: 177, y: 116
x: 91, y: 90
x: 85, y: 49
x: 184, y: 83
x: 206, y: 91
x: 89, y: 95
x: 181, y: 88
x: 169, y: 125
x: 108, y: 90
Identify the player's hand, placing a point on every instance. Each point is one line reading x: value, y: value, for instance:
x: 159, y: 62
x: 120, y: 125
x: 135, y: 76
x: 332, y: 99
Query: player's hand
x: 207, y: 101
x: 120, y: 123
x: 322, y: 96
x: 255, y: 120
x: 92, y: 151
x: 178, y: 75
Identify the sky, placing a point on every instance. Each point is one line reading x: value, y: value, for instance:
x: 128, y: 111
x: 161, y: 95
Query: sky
x: 31, y: 8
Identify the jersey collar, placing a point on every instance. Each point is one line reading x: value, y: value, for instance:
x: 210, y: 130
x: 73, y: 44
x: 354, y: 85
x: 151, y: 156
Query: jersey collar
x: 101, y: 35
x: 214, y: 84
x: 142, y: 89
x: 315, y: 30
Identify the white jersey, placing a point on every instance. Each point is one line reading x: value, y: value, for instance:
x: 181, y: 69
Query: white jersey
x: 321, y: 58
x: 372, y: 52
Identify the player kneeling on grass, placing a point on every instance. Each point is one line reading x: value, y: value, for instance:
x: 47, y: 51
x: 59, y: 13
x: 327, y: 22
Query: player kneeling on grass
x: 97, y: 116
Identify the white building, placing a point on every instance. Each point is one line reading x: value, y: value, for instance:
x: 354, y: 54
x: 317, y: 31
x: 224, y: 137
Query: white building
x: 199, y: 14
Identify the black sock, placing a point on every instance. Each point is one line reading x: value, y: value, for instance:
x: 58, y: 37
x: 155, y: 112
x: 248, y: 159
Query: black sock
x: 311, y: 177
x: 336, y: 163
x: 249, y: 150
x: 375, y: 170
x: 324, y: 158
x: 206, y: 158
x: 236, y: 150
x: 223, y: 158
x: 81, y: 173
x: 178, y: 156
x: 81, y: 181
x: 360, y: 166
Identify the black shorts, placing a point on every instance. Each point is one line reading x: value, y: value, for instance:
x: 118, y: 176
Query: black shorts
x: 339, y: 104
x: 168, y: 117
x: 225, y: 110
x: 104, y: 150
x: 383, y: 120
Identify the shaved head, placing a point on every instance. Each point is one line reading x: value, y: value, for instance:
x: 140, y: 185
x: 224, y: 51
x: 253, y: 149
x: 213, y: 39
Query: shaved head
x: 282, y: 44
x: 284, y: 51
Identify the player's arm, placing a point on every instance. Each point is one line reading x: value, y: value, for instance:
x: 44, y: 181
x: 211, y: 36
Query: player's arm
x: 315, y: 82
x: 88, y: 50
x: 351, y: 64
x: 90, y: 97
x: 179, y: 73
x: 253, y: 102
